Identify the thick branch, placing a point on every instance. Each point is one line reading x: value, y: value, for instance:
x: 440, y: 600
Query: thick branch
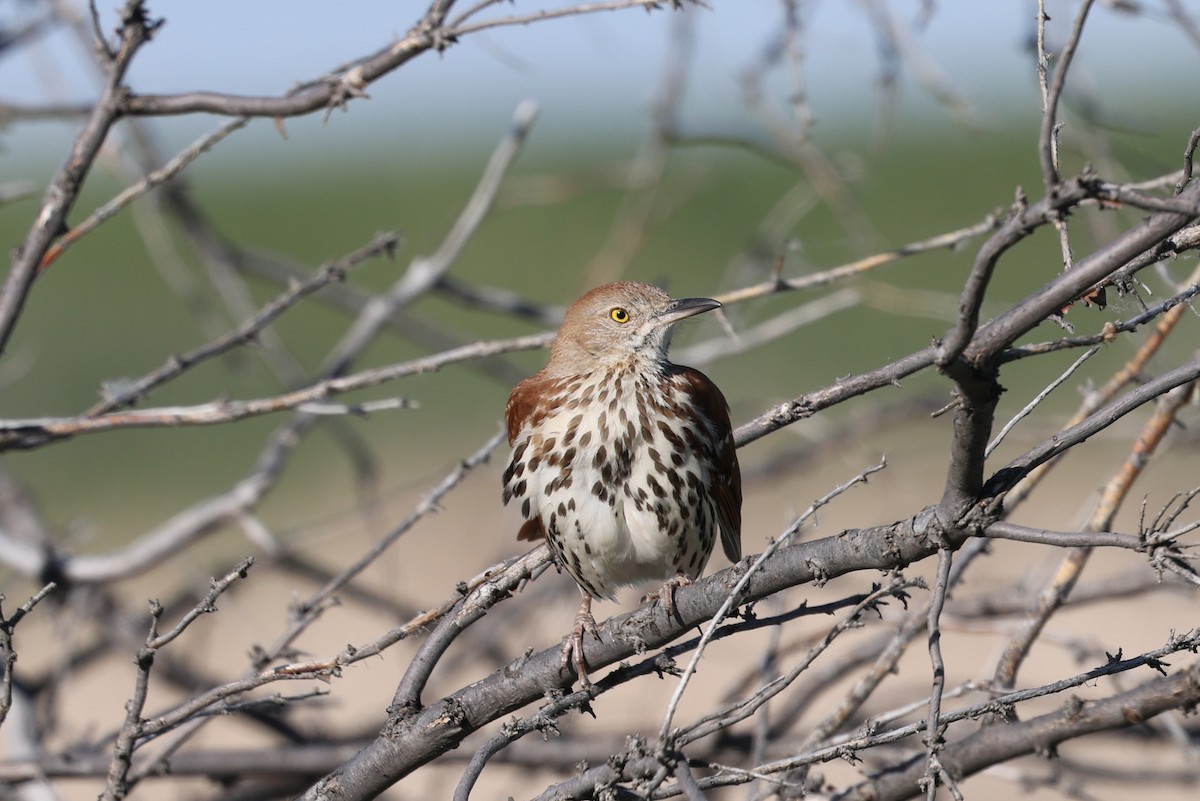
x: 996, y: 744
x: 415, y: 739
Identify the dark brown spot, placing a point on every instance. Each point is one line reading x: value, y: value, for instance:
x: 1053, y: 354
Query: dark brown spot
x: 572, y: 428
x: 669, y: 432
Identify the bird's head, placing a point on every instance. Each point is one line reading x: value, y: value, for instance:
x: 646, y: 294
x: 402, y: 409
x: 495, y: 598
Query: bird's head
x: 618, y: 323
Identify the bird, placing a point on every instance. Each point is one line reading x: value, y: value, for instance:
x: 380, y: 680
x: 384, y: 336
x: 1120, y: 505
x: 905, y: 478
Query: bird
x: 624, y: 462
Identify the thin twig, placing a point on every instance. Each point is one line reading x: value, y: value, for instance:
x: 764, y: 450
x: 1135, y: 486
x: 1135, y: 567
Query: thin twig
x: 382, y: 244
x: 119, y: 784
x: 852, y: 743
x: 1041, y: 396
x: 423, y: 272
x: 38, y: 431
x: 7, y: 649
x: 63, y: 190
x: 934, y: 732
x: 719, y: 720
x: 131, y: 193
x: 1048, y: 136
x: 1115, y: 490
x: 664, y: 731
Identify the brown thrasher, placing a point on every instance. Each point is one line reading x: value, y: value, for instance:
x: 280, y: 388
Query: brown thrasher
x: 624, y: 461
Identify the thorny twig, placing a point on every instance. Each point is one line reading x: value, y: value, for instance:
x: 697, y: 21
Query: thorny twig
x: 664, y: 733
x: 8, y: 652
x: 118, y: 784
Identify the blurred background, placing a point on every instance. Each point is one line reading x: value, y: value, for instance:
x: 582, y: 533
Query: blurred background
x: 926, y: 139
x: 693, y: 150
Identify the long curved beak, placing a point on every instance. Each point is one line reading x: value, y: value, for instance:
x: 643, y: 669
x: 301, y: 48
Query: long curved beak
x: 684, y: 307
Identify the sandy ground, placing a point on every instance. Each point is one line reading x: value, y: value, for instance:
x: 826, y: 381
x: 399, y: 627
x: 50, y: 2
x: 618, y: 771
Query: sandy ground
x: 472, y: 532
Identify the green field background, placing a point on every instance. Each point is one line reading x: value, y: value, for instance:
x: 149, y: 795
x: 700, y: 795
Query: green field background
x: 103, y: 312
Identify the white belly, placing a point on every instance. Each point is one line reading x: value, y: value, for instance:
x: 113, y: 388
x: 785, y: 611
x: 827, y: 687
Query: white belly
x: 626, y: 505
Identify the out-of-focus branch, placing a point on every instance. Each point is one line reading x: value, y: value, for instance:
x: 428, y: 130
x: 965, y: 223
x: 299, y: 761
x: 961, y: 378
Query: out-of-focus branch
x: 423, y: 272
x: 335, y: 272
x: 44, y: 429
x: 7, y: 652
x: 18, y: 112
x: 1071, y: 566
x: 204, y: 414
x: 131, y: 193
x: 63, y: 190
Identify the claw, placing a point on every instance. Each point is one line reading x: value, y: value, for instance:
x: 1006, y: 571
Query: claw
x: 666, y: 593
x: 572, y: 652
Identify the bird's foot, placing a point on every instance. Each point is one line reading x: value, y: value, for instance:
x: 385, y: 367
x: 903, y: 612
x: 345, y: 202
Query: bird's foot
x: 572, y: 651
x: 666, y: 593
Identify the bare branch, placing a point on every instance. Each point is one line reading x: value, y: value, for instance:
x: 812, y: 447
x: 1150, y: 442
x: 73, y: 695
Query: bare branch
x: 1048, y: 138
x: 664, y: 732
x: 63, y: 191
x: 9, y: 652
x: 423, y: 273
x: 137, y: 190
x: 1041, y: 396
x: 381, y: 245
x: 118, y: 784
x: 40, y: 431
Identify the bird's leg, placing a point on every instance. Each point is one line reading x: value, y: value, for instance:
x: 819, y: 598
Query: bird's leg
x: 666, y: 593
x: 572, y: 652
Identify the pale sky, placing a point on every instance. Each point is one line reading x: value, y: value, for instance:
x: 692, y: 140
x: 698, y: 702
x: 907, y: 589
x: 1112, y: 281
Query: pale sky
x: 594, y: 76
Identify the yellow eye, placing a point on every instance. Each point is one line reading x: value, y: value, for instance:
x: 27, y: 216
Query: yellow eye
x: 619, y: 315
